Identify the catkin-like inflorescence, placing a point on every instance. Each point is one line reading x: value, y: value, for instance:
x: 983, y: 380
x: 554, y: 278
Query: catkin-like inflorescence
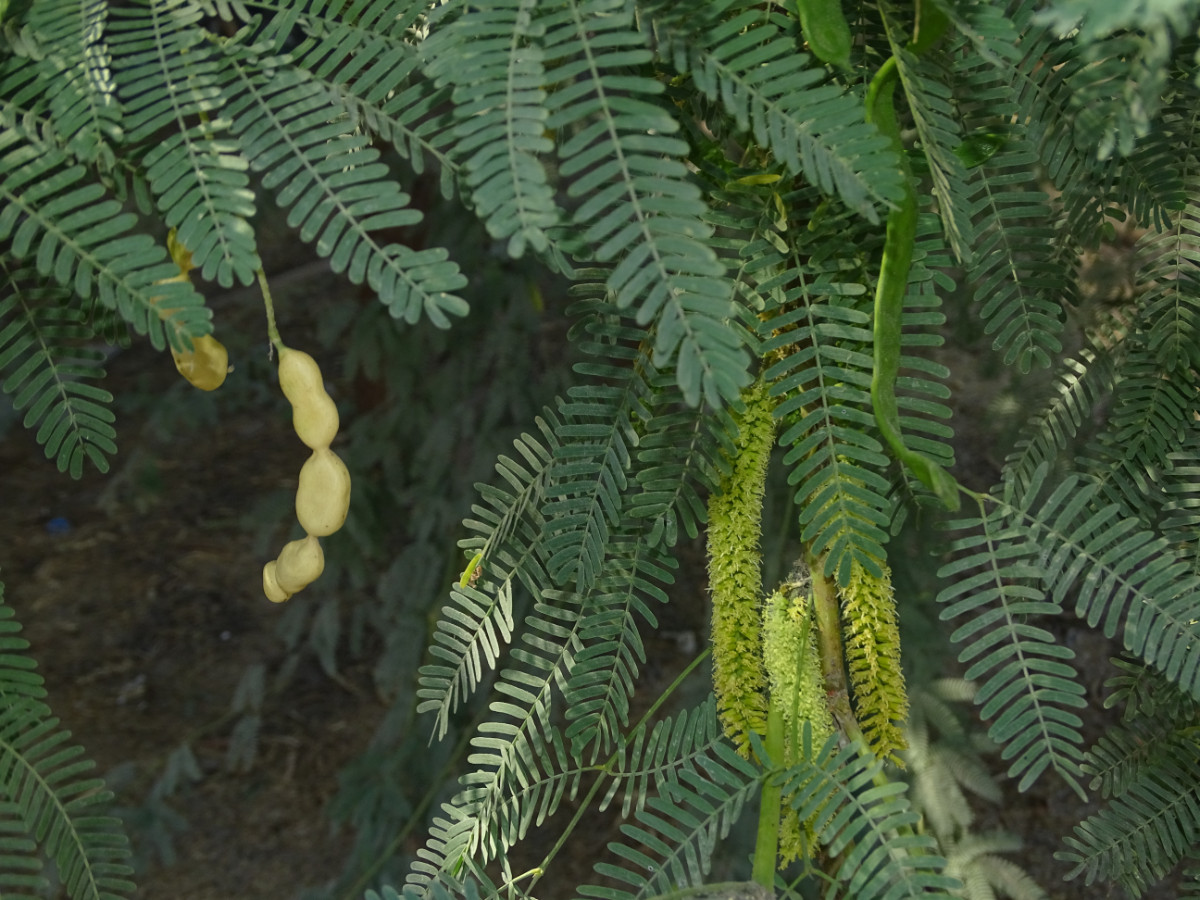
x: 794, y: 669
x: 797, y: 687
x: 871, y: 632
x: 734, y: 573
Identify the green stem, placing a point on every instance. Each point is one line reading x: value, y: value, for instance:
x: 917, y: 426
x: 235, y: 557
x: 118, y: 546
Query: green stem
x: 766, y: 844
x: 792, y: 738
x: 829, y: 645
x: 268, y: 303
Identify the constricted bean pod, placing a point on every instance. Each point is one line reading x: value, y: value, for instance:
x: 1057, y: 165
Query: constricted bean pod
x: 323, y: 497
x: 316, y: 421
x: 300, y: 563
x: 314, y: 414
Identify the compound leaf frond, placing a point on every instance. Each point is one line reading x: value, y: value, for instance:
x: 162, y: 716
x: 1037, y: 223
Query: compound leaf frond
x: 680, y: 828
x: 1027, y: 683
x: 750, y: 66
x: 835, y: 459
x: 508, y: 526
x: 168, y: 78
x: 337, y: 192
x: 48, y: 368
x: 80, y: 237
x: 495, y: 64
x: 833, y: 791
x: 1146, y: 829
x: 618, y: 150
x: 75, y: 57
x: 46, y: 779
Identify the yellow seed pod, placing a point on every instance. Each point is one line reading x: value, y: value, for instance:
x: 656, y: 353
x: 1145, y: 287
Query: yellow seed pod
x: 300, y: 563
x: 323, y: 497
x: 316, y: 420
x: 206, y: 366
x: 180, y: 254
x: 299, y: 375
x: 271, y: 587
x: 314, y: 414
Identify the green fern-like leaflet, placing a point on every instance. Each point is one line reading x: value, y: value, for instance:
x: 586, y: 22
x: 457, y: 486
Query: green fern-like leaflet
x: 49, y: 372
x: 47, y: 801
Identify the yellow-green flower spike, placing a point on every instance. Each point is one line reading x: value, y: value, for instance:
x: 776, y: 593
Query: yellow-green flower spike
x: 794, y: 669
x: 798, y: 688
x: 871, y: 632
x: 734, y: 573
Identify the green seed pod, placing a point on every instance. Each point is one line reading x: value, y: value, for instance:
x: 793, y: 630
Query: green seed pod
x: 890, y: 293
x: 826, y: 30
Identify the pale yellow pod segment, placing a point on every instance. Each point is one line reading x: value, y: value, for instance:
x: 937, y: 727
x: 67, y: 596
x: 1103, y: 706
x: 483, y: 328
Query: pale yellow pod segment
x: 323, y: 497
x: 206, y: 366
x: 300, y: 563
x: 299, y: 375
x: 271, y: 587
x: 314, y: 414
x: 316, y: 421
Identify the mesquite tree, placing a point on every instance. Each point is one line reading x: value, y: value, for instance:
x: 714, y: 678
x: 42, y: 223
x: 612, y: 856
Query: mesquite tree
x: 762, y: 209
